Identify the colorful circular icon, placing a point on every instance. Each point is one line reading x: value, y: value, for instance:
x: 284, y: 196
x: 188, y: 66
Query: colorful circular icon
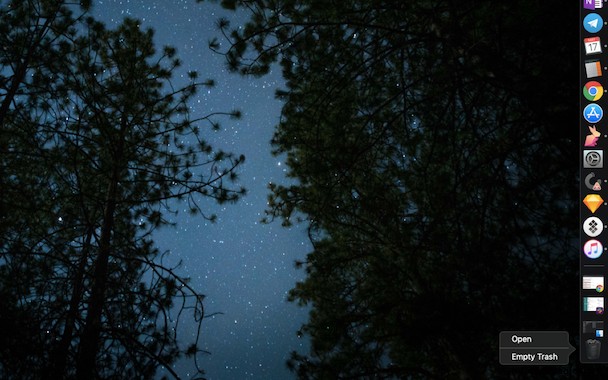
x: 593, y: 113
x: 593, y: 226
x: 593, y: 249
x: 599, y: 288
x: 593, y: 91
x: 593, y: 23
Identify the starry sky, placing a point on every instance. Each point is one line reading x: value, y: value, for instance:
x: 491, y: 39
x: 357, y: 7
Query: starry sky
x: 245, y: 268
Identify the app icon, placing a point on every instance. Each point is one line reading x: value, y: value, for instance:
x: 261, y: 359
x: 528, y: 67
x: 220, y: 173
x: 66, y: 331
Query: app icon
x: 593, y: 91
x: 593, y: 283
x: 590, y: 327
x: 593, y: 113
x: 593, y: 159
x: 593, y: 45
x: 593, y: 183
x: 593, y: 69
x: 593, y: 23
x: 593, y: 226
x: 593, y: 304
x: 593, y: 249
x: 593, y: 202
x: 592, y: 137
x: 593, y: 348
x: 593, y: 4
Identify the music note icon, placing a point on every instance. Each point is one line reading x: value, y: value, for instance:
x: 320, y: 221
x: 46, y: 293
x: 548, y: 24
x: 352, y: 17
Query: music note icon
x: 593, y: 249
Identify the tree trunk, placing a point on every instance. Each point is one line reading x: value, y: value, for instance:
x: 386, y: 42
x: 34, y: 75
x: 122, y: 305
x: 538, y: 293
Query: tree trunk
x: 90, y: 338
x: 59, y: 356
x: 89, y: 341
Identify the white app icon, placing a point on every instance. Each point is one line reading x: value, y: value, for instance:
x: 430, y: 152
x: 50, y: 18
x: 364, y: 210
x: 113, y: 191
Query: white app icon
x: 593, y: 226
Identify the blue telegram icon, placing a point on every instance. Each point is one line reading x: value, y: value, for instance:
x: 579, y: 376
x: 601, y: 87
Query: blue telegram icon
x: 593, y: 113
x: 593, y: 23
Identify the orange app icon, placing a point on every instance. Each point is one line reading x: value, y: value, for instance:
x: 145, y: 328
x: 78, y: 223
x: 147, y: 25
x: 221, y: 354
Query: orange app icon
x: 593, y: 202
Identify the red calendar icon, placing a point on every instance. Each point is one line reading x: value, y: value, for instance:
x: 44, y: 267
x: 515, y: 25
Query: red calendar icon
x: 593, y: 45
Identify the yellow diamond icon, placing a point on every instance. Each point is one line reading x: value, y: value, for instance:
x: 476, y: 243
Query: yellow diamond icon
x: 593, y: 202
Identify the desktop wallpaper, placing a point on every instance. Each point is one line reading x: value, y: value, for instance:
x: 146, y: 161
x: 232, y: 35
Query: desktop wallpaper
x: 244, y: 267
x: 410, y: 176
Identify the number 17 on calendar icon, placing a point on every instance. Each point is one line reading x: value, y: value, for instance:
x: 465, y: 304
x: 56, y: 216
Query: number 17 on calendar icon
x: 593, y: 45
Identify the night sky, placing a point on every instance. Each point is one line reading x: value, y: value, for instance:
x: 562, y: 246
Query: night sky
x: 244, y: 268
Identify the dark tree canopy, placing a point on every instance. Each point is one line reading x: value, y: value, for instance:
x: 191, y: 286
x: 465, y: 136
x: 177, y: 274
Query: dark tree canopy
x: 96, y: 144
x: 436, y: 169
